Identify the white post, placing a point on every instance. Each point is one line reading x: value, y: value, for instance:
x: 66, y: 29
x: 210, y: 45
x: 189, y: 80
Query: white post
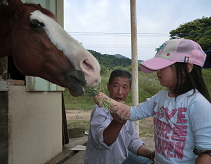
x: 135, y: 97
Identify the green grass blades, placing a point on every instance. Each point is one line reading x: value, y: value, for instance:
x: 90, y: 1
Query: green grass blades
x: 91, y: 91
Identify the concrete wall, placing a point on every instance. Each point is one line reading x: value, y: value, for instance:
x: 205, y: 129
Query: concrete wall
x: 35, y: 126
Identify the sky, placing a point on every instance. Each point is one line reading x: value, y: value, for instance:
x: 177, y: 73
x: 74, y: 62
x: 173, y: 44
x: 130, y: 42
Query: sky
x: 104, y: 25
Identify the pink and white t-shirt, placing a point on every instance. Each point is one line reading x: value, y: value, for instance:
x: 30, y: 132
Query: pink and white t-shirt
x: 180, y: 125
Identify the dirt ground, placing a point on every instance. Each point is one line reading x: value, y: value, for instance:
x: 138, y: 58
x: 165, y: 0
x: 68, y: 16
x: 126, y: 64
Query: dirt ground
x: 85, y: 115
x: 82, y: 117
x: 78, y: 114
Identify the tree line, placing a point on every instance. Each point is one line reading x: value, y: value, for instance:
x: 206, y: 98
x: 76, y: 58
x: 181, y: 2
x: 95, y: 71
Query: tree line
x: 198, y: 30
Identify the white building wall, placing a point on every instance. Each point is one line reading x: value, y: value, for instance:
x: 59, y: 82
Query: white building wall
x: 34, y: 125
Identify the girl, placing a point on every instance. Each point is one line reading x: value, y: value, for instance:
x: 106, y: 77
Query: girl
x: 182, y: 114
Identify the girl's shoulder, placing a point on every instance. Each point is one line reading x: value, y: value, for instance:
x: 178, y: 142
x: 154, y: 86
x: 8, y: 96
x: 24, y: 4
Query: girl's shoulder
x: 160, y: 95
x: 194, y: 95
x: 195, y: 98
x: 162, y: 92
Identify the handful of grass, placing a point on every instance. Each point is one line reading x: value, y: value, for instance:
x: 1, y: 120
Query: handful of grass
x: 106, y: 103
x: 91, y: 91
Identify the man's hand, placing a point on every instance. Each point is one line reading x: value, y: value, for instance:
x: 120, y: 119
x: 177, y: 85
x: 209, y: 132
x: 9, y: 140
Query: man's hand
x: 99, y: 97
x: 114, y: 106
x: 152, y: 155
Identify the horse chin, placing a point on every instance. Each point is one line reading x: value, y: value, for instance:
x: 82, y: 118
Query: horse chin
x: 76, y: 94
x: 75, y: 87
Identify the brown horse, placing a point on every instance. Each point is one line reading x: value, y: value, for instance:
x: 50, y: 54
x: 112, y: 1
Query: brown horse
x: 40, y: 47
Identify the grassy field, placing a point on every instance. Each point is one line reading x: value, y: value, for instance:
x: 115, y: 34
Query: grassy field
x: 148, y: 86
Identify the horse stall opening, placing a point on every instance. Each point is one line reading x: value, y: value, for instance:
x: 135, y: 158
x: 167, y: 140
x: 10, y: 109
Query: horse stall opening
x: 31, y: 113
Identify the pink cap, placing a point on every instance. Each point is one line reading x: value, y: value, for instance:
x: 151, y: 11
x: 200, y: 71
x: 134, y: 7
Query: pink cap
x: 172, y: 51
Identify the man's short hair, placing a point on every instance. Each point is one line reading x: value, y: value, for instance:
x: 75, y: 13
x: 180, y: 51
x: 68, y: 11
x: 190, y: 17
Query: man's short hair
x: 120, y: 73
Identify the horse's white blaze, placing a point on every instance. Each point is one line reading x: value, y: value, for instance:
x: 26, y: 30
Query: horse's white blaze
x: 71, y: 47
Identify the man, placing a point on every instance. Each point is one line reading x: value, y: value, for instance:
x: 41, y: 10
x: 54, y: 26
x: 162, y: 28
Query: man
x: 113, y: 140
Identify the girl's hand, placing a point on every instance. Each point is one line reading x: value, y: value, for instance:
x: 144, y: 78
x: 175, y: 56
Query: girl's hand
x: 118, y: 119
x: 121, y: 109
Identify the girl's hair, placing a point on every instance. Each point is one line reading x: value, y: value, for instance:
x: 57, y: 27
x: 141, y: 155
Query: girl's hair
x: 190, y: 80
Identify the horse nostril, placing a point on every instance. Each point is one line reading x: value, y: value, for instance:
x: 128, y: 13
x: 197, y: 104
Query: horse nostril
x: 87, y: 65
x: 91, y: 69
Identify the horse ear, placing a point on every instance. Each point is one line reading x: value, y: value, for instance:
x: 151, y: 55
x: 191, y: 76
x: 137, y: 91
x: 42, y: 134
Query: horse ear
x: 14, y: 2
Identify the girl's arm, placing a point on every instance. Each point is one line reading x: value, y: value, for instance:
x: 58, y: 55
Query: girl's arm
x: 115, y: 107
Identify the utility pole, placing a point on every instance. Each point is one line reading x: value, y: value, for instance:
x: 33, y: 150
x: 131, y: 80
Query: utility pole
x: 135, y: 98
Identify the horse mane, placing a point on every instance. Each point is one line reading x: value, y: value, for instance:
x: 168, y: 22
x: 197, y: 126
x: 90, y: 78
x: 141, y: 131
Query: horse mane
x: 7, y: 10
x: 10, y: 13
x: 43, y: 10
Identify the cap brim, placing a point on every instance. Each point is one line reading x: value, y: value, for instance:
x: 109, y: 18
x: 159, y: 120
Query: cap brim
x: 145, y: 69
x: 155, y: 64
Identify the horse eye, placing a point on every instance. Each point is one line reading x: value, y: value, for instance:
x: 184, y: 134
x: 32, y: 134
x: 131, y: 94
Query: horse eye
x: 36, y: 24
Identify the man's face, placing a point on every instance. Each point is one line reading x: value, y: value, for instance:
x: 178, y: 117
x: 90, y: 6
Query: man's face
x: 119, y: 88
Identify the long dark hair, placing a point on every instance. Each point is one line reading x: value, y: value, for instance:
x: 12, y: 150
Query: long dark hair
x: 190, y: 80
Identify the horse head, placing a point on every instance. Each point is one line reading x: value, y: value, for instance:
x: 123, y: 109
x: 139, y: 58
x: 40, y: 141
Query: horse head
x: 40, y: 47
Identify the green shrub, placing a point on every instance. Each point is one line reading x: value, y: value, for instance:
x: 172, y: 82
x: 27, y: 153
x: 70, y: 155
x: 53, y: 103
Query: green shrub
x: 207, y: 78
x: 148, y: 86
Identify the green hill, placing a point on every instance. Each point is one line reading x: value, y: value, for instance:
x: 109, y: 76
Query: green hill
x: 111, y: 61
